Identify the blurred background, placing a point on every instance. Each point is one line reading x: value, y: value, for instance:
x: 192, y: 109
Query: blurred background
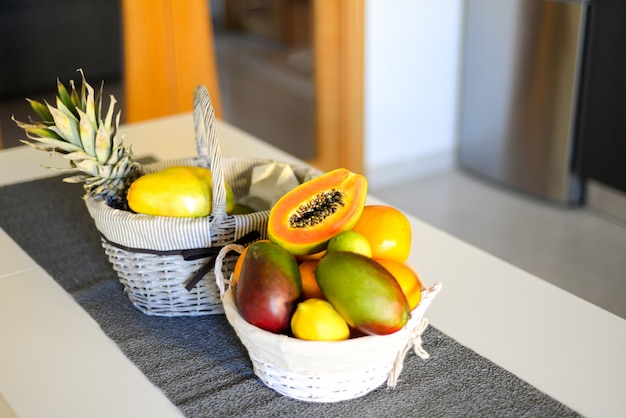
x: 263, y: 50
x: 400, y: 91
x: 356, y: 83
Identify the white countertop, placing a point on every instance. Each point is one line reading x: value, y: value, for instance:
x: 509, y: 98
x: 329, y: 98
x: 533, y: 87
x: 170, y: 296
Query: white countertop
x: 56, y: 361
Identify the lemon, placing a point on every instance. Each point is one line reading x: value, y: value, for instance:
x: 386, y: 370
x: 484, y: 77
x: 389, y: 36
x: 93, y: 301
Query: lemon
x: 317, y: 320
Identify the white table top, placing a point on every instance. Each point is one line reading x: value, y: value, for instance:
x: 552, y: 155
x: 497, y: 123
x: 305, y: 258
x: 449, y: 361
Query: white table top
x: 56, y: 361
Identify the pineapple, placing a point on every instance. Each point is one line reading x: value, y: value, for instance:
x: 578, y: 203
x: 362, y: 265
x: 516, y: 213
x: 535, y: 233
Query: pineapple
x: 93, y: 145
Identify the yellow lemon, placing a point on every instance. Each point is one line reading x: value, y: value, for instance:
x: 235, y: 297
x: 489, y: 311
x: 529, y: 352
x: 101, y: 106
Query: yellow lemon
x: 317, y: 320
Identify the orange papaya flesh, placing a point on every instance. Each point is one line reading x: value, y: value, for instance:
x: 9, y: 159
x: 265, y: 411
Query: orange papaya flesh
x: 308, y: 216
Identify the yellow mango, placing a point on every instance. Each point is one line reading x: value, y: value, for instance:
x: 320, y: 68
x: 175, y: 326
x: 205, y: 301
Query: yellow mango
x: 181, y: 191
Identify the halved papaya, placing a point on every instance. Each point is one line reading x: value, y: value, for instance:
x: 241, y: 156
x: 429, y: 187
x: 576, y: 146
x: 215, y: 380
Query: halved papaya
x: 308, y: 216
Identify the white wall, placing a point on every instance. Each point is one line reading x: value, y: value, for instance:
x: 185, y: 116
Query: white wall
x: 412, y: 55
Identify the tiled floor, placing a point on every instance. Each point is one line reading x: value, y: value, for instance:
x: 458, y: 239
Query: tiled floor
x: 577, y: 249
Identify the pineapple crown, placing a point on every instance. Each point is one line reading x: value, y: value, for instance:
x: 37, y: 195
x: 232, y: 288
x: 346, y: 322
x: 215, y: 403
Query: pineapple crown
x: 75, y: 128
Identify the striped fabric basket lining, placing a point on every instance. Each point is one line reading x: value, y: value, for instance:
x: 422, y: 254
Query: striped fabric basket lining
x: 165, y: 263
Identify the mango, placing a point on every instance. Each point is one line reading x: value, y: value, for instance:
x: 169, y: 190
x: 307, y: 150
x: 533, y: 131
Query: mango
x: 181, y: 191
x: 269, y: 287
x: 364, y: 293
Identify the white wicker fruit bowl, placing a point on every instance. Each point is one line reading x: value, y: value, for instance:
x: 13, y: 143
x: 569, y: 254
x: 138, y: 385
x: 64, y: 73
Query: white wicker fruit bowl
x: 325, y: 371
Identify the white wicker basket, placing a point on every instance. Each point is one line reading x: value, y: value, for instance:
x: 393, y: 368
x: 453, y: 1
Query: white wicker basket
x: 325, y: 371
x: 157, y: 257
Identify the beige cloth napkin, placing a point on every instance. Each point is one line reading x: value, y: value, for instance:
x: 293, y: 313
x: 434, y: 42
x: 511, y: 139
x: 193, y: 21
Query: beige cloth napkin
x: 269, y: 183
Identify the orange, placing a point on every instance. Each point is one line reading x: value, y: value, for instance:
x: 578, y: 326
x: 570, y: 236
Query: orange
x: 316, y: 256
x: 237, y: 269
x: 407, y: 278
x: 310, y: 288
x: 388, y: 231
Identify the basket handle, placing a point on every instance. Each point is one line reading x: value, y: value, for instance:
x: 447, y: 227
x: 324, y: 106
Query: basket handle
x: 209, y: 148
x: 224, y: 283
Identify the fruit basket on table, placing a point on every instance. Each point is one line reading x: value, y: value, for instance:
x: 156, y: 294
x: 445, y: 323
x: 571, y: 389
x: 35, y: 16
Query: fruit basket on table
x: 312, y: 359
x: 164, y: 263
x: 328, y: 371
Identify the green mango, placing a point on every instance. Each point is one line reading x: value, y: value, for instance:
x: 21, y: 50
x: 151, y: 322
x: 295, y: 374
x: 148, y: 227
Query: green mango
x: 269, y: 287
x: 181, y: 191
x: 241, y: 209
x: 364, y: 293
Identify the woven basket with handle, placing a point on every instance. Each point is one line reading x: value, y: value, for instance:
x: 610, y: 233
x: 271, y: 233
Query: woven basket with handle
x: 166, y: 263
x: 324, y: 371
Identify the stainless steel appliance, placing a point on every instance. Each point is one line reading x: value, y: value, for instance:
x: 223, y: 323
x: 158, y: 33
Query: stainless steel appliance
x: 521, y: 79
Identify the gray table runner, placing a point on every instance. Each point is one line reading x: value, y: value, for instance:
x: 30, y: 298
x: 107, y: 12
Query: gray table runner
x: 200, y: 364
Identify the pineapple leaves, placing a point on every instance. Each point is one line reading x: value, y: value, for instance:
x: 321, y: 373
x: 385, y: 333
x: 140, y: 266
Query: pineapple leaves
x: 33, y: 131
x: 53, y: 145
x: 76, y: 179
x: 109, y: 116
x: 64, y: 97
x: 90, y: 105
x: 98, y: 105
x: 76, y: 129
x: 76, y: 101
x: 87, y: 166
x: 41, y: 110
x: 87, y: 133
x: 102, y: 145
x: 64, y: 125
